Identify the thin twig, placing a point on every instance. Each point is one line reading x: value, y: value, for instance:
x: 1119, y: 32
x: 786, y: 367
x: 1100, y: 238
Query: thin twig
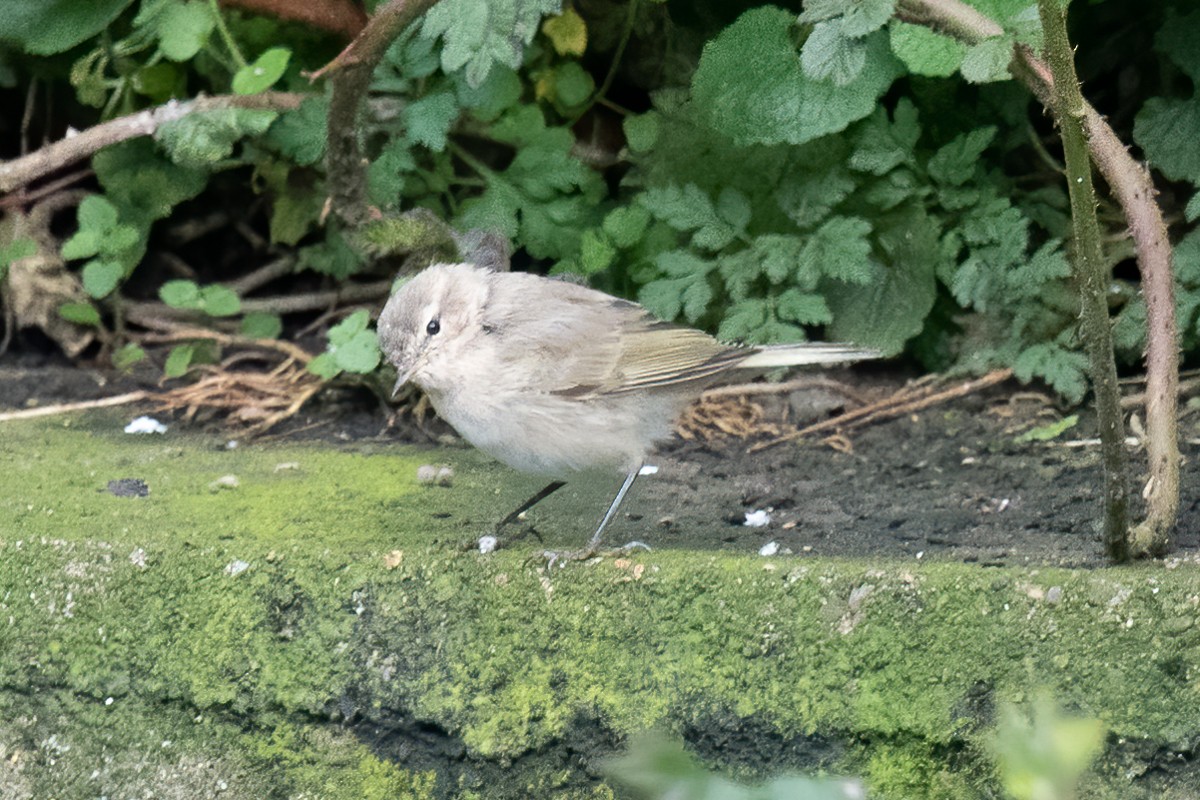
x: 902, y: 402
x: 783, y: 387
x: 83, y: 405
x: 54, y: 156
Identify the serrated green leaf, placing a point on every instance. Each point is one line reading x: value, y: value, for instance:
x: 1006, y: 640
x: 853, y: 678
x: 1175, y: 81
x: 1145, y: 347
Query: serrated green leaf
x: 663, y: 297
x: 205, y: 137
x: 891, y: 307
x: 859, y: 17
x: 840, y: 249
x: 479, y: 33
x: 626, y: 225
x: 803, y: 308
x: 101, y: 276
x: 143, y: 184
x: 300, y: 135
x: 180, y: 294
x: 387, y: 174
x: 47, y: 27
x: 750, y: 86
x: 80, y: 314
x: 499, y: 92
x: 924, y: 51
x: 733, y: 207
x: 183, y: 28
x: 1177, y: 40
x: 219, y: 301
x: 428, y: 119
x: 179, y: 360
x: 957, y: 161
x: 882, y: 144
x: 160, y: 82
x: 684, y: 208
x: 1166, y: 130
x: 263, y: 72
x: 262, y: 325
x: 596, y: 252
x: 988, y: 61
x: 829, y: 53
x: 1064, y: 370
x: 682, y: 264
x: 743, y: 321
x: 128, y: 355
x: 331, y: 257
x: 1192, y: 212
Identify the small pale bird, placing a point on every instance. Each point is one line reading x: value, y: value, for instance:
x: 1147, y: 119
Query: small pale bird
x: 555, y: 378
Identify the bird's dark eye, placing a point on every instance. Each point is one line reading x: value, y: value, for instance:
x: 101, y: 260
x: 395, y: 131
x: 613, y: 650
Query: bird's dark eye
x: 433, y: 327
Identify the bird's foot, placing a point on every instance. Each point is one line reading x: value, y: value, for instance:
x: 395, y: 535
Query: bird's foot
x: 593, y: 550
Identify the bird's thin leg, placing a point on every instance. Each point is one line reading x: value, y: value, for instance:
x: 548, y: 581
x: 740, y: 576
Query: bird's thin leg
x: 550, y: 489
x: 612, y: 510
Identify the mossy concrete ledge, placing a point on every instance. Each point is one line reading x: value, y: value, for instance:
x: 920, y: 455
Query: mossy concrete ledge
x: 310, y: 628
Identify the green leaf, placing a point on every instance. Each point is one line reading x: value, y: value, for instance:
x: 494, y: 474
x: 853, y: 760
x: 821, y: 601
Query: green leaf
x: 743, y: 321
x: 428, y: 119
x: 263, y: 73
x: 750, y: 85
x: 324, y: 366
x: 840, y: 248
x: 46, y: 27
x: 803, y: 308
x: 479, y: 33
x: 499, y: 92
x: 567, y: 32
x: 830, y: 53
x: 262, y: 325
x: 386, y: 174
x: 988, y: 61
x: 1065, y: 370
x: 178, y: 361
x: 956, y: 162
x: 183, y: 28
x: 596, y: 252
x: 331, y: 257
x: 180, y: 294
x: 352, y: 345
x: 924, y: 51
x: 1044, y: 433
x: 143, y: 184
x: 80, y: 314
x: 1192, y: 212
x: 219, y: 301
x: 300, y: 135
x: 202, y: 138
x: 127, y: 355
x: 883, y: 144
x: 859, y: 17
x: 349, y: 328
x: 625, y: 225
x: 97, y: 213
x: 573, y: 85
x: 83, y: 244
x: 733, y: 207
x: 891, y: 308
x: 1166, y: 130
x: 641, y: 131
x: 101, y: 276
x: 1177, y: 40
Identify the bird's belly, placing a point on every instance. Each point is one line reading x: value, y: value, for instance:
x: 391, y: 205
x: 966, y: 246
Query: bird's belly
x: 549, y: 435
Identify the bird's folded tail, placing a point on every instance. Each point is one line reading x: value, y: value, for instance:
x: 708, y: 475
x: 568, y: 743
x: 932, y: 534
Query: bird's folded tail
x: 795, y: 355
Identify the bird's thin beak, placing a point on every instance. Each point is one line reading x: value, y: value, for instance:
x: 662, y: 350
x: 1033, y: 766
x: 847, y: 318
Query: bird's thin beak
x: 400, y: 381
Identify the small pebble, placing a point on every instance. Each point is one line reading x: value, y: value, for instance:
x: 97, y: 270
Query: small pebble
x: 237, y: 567
x: 487, y: 544
x: 769, y: 549
x: 128, y: 487
x: 426, y: 473
x: 224, y: 482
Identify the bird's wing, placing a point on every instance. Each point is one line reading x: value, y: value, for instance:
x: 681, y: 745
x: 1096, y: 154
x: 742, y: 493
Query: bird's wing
x: 573, y: 341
